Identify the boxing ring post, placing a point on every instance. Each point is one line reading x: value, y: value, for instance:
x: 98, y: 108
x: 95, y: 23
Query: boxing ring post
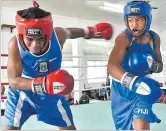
x: 77, y: 50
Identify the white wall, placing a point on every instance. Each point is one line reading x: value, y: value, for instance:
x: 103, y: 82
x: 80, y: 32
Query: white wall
x: 162, y: 34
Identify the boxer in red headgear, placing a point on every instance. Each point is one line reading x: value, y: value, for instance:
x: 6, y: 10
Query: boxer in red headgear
x: 37, y: 84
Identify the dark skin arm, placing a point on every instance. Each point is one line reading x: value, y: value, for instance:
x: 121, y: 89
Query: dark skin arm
x: 118, y: 51
x: 121, y: 44
x: 158, y: 53
x: 63, y: 35
x: 14, y: 67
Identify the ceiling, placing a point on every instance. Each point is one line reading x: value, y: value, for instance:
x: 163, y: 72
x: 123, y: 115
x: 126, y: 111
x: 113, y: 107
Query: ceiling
x: 81, y: 10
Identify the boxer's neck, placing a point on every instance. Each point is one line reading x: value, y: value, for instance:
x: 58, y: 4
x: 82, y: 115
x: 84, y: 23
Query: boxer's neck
x: 144, y: 39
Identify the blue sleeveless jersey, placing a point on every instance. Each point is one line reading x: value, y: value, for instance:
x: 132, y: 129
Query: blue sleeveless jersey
x: 21, y: 104
x: 42, y: 65
x: 117, y: 89
x: 125, y: 104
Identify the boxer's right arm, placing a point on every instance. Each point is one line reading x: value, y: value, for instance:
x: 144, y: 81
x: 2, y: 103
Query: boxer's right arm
x: 100, y: 30
x: 139, y: 85
x: 58, y: 82
x: 117, y: 53
x: 14, y: 67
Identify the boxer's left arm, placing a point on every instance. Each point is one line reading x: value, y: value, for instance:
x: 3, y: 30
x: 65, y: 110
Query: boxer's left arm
x: 159, y: 64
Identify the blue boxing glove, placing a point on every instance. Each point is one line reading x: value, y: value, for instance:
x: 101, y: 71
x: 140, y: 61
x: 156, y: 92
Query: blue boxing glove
x: 142, y: 63
x: 148, y: 89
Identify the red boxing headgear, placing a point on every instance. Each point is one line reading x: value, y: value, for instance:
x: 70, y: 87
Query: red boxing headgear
x: 38, y: 27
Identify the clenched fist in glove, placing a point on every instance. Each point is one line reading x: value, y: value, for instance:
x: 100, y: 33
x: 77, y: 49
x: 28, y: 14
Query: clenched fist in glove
x: 58, y: 82
x: 100, y: 30
x: 142, y: 63
x: 148, y: 89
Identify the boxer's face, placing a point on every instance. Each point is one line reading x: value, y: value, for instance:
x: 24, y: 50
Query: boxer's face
x: 35, y: 44
x: 136, y: 24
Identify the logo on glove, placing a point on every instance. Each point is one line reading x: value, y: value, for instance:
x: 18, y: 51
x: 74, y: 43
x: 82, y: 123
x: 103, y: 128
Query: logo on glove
x: 38, y: 88
x: 58, y: 87
x: 150, y: 61
x: 143, y: 88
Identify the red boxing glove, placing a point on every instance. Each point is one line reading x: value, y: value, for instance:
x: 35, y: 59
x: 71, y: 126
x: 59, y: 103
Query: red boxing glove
x: 59, y: 83
x: 100, y: 30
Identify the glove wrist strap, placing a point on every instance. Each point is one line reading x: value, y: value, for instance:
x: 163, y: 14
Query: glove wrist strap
x: 38, y: 85
x: 86, y: 32
x: 127, y: 80
x: 89, y: 32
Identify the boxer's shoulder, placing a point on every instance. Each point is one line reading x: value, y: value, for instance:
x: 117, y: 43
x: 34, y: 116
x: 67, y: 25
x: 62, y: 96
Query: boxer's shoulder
x: 122, y: 39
